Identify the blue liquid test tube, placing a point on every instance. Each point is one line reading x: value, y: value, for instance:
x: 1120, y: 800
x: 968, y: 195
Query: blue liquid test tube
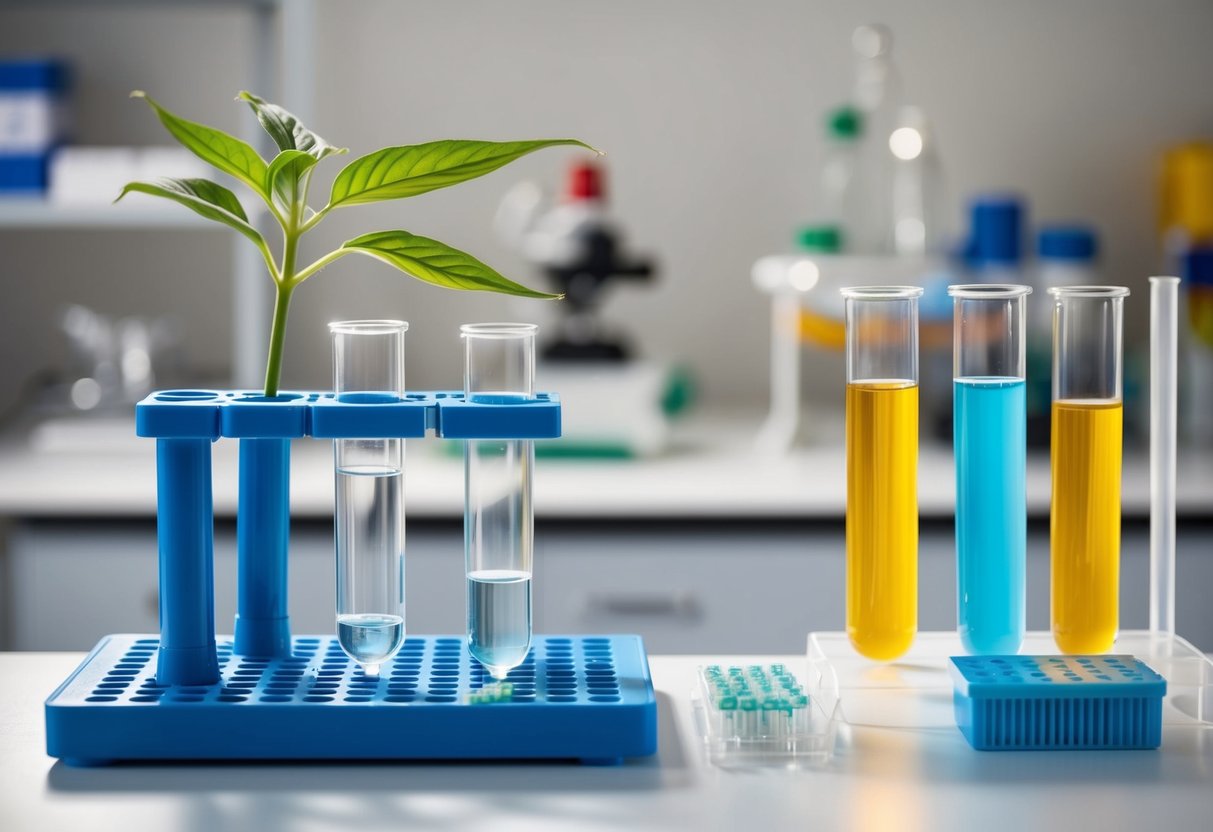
x: 990, y: 436
x: 368, y: 368
x: 499, y: 368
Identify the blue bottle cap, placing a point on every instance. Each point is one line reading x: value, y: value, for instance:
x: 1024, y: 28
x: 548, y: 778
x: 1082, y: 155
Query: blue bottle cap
x: 1198, y: 266
x: 1067, y: 242
x: 995, y: 230
x: 33, y: 74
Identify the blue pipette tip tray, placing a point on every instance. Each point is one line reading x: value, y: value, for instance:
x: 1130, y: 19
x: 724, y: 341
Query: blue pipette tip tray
x: 587, y: 698
x: 1025, y: 703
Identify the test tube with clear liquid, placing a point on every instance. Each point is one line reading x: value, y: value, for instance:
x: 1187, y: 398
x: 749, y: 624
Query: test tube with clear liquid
x: 368, y: 368
x: 882, y: 468
x: 499, y: 368
x: 989, y: 416
x: 1087, y: 433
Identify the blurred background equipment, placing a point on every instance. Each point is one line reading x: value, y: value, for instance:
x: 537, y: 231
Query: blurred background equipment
x: 617, y: 403
x: 878, y: 206
x: 82, y: 175
x: 33, y: 121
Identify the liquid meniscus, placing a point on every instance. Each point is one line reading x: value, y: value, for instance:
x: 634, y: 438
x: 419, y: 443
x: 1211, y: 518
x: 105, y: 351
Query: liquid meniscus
x: 369, y: 638
x: 499, y: 618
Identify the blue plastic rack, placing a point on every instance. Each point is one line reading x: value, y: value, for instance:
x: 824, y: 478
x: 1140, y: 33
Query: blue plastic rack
x: 263, y: 694
x: 1020, y: 703
x: 575, y: 697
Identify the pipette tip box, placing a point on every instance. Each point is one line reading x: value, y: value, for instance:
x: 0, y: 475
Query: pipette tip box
x: 765, y: 716
x: 1024, y: 703
x: 580, y: 698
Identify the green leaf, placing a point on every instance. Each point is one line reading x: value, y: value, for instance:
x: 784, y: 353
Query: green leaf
x: 287, y: 131
x: 203, y: 197
x: 282, y: 177
x: 436, y: 263
x: 216, y: 148
x: 397, y: 172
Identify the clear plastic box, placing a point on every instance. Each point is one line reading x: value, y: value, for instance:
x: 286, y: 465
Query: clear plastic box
x: 739, y: 739
x: 916, y: 690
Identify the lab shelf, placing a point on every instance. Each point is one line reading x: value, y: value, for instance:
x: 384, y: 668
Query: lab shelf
x: 36, y: 212
x: 581, y: 698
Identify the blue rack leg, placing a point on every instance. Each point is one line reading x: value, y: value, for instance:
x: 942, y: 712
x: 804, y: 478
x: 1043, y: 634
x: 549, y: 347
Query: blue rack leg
x: 263, y: 627
x: 185, y: 532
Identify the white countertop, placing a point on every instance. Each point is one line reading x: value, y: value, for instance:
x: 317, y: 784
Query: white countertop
x: 712, y: 471
x: 880, y: 779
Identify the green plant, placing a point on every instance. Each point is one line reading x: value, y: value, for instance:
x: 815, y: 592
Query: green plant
x: 282, y: 183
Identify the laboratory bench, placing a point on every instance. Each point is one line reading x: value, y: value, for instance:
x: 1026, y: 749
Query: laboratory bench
x: 99, y: 467
x: 878, y: 779
x: 710, y: 548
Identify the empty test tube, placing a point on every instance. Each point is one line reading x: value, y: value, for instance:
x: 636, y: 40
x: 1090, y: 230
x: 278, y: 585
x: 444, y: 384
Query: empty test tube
x: 882, y: 468
x: 1087, y: 431
x: 499, y: 368
x: 368, y: 366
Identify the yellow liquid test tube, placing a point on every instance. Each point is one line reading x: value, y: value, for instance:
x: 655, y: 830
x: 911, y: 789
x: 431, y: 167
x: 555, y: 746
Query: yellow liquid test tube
x: 1087, y: 431
x: 1085, y: 524
x: 882, y: 469
x: 882, y: 517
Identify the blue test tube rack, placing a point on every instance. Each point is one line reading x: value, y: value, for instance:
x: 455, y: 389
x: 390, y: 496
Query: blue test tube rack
x: 265, y: 694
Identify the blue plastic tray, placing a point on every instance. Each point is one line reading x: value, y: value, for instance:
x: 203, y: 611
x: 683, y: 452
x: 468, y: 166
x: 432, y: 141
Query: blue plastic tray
x: 576, y: 697
x: 1057, y: 702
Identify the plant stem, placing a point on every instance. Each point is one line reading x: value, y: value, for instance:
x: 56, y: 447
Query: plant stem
x: 273, y: 367
x: 282, y: 305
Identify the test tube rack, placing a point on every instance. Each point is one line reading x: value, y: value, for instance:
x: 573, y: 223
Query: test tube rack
x: 264, y: 694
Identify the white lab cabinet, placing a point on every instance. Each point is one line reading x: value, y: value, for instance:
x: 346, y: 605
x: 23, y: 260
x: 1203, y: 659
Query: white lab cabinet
x: 702, y: 587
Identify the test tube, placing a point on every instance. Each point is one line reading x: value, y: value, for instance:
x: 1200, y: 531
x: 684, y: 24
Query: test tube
x: 989, y: 419
x: 1164, y: 404
x: 882, y: 468
x: 368, y: 368
x: 498, y: 525
x: 1086, y: 457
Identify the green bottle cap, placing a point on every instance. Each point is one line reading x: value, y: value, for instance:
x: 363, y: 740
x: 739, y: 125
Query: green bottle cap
x: 820, y: 239
x: 845, y: 123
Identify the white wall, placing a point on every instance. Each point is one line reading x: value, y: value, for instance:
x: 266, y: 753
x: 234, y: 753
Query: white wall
x: 710, y: 114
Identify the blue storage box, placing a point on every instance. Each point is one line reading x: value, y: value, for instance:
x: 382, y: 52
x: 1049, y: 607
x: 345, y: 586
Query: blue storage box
x: 1021, y: 703
x: 32, y: 121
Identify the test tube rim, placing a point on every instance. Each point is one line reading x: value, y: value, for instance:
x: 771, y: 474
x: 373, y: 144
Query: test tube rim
x: 498, y: 330
x: 989, y: 291
x: 370, y: 326
x: 1093, y: 292
x: 881, y: 292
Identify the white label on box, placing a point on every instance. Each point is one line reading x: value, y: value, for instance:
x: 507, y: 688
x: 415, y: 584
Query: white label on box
x: 27, y: 122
